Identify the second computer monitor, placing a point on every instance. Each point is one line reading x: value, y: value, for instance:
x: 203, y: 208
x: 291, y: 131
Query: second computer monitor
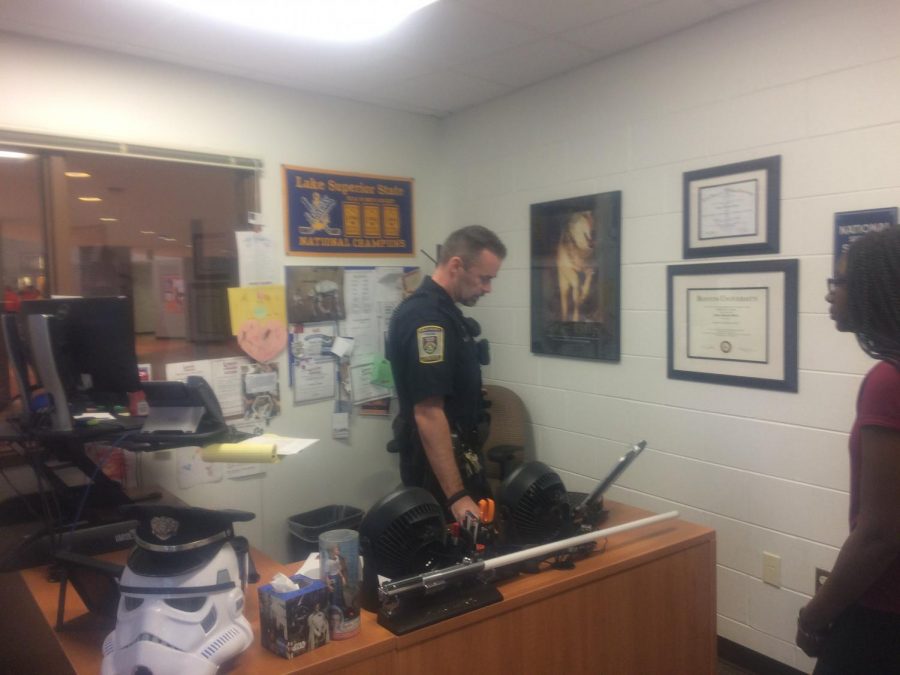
x: 89, y: 343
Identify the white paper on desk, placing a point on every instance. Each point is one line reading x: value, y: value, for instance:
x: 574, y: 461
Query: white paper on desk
x: 94, y: 416
x: 235, y: 470
x: 72, y: 476
x: 284, y: 445
x: 192, y: 470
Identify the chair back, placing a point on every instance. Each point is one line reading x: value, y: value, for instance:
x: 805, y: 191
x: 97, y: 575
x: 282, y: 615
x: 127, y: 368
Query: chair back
x: 504, y: 447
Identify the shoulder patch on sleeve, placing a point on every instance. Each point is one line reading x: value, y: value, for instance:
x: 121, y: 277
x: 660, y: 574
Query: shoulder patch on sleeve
x: 431, y: 344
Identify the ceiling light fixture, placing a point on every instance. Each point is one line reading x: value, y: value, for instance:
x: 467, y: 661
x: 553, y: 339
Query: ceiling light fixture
x: 11, y: 154
x: 90, y: 199
x: 77, y: 174
x: 331, y: 21
x: 109, y: 220
x: 147, y: 231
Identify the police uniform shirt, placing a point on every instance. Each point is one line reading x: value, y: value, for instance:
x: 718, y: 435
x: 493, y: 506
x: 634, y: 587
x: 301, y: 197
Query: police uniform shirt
x: 432, y: 354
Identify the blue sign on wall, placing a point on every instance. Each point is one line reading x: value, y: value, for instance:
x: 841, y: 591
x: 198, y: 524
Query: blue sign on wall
x: 851, y: 225
x: 333, y: 213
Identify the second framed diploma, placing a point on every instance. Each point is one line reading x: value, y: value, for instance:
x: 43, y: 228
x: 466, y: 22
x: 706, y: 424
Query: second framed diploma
x: 734, y: 323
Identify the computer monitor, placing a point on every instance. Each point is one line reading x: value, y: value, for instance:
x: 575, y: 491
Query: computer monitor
x: 83, y: 352
x: 18, y: 359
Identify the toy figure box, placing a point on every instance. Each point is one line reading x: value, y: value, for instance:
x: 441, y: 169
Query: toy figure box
x: 294, y: 622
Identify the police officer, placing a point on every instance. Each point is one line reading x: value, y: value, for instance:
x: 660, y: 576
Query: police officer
x: 435, y: 361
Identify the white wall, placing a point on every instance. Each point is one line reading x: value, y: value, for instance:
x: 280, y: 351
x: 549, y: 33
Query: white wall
x: 68, y: 91
x: 815, y: 81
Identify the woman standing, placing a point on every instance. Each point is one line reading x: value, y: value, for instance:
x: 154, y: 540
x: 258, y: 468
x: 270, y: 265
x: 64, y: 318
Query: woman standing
x: 852, y: 624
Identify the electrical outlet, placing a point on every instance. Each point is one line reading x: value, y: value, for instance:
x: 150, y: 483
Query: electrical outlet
x: 821, y: 576
x: 771, y: 569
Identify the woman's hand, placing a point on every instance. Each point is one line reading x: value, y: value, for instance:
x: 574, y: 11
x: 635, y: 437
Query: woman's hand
x: 809, y: 638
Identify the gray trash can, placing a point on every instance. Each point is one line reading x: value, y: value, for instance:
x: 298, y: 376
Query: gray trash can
x: 306, y: 527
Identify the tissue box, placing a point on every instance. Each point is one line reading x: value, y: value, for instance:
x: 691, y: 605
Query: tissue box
x: 295, y: 622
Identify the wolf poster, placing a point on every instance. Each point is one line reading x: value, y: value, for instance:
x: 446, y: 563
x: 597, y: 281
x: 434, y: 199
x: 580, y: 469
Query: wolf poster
x: 575, y: 278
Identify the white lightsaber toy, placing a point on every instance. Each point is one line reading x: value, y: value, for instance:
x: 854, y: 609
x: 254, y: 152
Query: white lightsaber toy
x: 431, y: 581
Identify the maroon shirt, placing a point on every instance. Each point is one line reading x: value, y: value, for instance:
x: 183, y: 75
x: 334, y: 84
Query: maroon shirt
x: 878, y: 405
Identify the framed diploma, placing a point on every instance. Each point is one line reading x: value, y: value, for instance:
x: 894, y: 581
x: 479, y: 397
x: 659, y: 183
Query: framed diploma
x: 732, y: 209
x: 734, y: 323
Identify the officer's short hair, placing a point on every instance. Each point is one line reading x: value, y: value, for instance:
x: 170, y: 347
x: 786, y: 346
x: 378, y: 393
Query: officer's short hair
x: 468, y: 243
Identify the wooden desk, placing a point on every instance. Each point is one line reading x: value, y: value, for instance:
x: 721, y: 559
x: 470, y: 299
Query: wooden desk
x: 645, y: 605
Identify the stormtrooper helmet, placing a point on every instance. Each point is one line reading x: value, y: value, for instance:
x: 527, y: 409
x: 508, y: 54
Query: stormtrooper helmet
x: 181, y: 602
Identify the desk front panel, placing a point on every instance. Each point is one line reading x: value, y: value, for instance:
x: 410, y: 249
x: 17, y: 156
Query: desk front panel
x: 658, y: 617
x: 645, y: 605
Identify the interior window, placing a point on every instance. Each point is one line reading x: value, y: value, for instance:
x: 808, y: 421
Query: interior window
x: 159, y: 232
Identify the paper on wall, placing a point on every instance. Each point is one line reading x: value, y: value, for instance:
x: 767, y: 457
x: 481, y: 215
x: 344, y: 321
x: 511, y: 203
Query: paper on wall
x: 340, y: 425
x: 363, y: 385
x: 358, y: 292
x: 260, y: 303
x: 256, y: 259
x: 223, y: 375
x: 367, y: 338
x: 234, y: 470
x: 343, y: 346
x: 314, y: 378
x: 192, y: 470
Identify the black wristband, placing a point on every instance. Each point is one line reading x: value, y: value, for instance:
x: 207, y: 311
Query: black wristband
x: 817, y: 636
x: 456, y: 496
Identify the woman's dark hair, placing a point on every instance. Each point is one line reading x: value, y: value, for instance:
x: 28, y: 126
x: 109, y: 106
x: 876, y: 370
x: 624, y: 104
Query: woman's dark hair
x: 468, y: 243
x: 873, y: 293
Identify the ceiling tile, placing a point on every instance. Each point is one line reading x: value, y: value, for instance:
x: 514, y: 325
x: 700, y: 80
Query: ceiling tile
x: 556, y: 16
x: 83, y: 22
x: 442, y: 92
x: 448, y: 33
x: 529, y: 63
x: 638, y: 27
x: 450, y: 55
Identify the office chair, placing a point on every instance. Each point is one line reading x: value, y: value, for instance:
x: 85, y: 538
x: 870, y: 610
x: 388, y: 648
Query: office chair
x: 504, y: 448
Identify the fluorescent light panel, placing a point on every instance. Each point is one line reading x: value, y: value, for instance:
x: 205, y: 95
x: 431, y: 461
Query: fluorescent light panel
x: 90, y: 199
x: 12, y: 154
x: 324, y: 20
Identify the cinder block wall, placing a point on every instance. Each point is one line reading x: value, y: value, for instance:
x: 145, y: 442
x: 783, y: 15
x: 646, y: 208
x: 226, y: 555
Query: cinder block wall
x: 814, y: 81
